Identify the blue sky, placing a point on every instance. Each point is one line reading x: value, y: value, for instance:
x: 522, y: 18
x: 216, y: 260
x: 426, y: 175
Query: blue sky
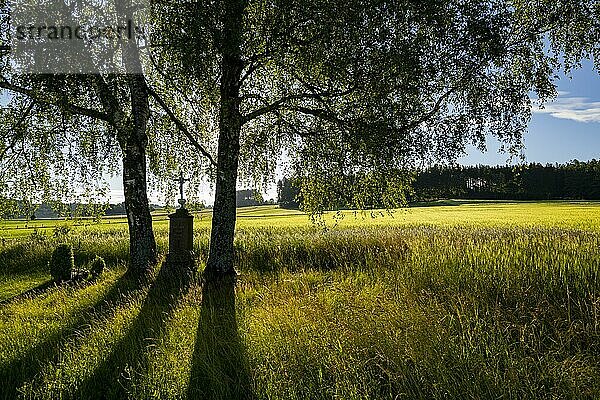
x: 568, y: 128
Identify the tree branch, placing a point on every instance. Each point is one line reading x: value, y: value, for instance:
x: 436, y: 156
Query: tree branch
x: 107, y: 97
x: 275, y: 106
x: 61, y: 103
x: 169, y: 80
x: 254, y: 62
x: 294, y: 129
x: 279, y: 104
x: 434, y: 110
x: 181, y: 126
x: 321, y: 114
x: 15, y: 138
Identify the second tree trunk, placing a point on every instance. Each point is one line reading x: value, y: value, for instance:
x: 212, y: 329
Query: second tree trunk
x: 221, y: 253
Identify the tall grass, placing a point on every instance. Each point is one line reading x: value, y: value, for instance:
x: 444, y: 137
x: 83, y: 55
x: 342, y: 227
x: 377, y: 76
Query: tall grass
x: 466, y: 314
x: 416, y: 311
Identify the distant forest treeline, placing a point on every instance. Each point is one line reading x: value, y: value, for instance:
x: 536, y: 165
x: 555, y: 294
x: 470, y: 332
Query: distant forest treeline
x: 15, y: 209
x: 574, y: 180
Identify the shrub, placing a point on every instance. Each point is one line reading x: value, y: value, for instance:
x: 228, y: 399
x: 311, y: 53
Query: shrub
x: 62, y: 263
x: 60, y: 231
x: 97, y: 267
x: 37, y: 236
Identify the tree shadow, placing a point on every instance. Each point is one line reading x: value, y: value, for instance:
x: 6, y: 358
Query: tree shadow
x: 78, y: 283
x: 35, y: 291
x: 219, y: 367
x: 110, y: 379
x: 15, y: 373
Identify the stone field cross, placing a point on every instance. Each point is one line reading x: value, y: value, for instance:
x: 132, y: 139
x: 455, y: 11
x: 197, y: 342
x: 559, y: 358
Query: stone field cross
x: 181, y: 181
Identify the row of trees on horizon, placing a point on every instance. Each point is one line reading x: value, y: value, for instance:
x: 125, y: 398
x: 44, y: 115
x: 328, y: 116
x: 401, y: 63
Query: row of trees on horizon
x: 20, y: 209
x: 573, y: 180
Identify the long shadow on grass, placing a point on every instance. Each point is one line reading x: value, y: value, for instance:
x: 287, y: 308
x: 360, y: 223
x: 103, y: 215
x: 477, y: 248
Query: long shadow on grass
x: 110, y: 380
x: 35, y: 291
x: 23, y: 369
x: 219, y: 367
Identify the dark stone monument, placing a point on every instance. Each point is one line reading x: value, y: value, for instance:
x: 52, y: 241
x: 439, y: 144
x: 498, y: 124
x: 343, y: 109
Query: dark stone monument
x: 180, y: 259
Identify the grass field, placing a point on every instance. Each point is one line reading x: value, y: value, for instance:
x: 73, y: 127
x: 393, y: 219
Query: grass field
x: 580, y: 214
x: 462, y: 300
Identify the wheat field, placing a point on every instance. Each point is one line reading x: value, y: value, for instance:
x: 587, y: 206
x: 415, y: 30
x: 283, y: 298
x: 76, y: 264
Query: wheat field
x: 459, y: 300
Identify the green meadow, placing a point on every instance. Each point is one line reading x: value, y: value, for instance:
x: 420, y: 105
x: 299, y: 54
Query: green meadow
x: 452, y: 300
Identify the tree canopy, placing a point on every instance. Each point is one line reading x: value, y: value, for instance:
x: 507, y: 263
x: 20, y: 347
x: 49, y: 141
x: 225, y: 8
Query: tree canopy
x: 368, y: 88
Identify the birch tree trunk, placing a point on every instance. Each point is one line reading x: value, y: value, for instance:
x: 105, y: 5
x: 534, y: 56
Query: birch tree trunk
x: 142, y: 244
x: 221, y: 253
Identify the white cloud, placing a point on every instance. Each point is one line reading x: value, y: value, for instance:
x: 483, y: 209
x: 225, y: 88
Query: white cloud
x: 580, y: 109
